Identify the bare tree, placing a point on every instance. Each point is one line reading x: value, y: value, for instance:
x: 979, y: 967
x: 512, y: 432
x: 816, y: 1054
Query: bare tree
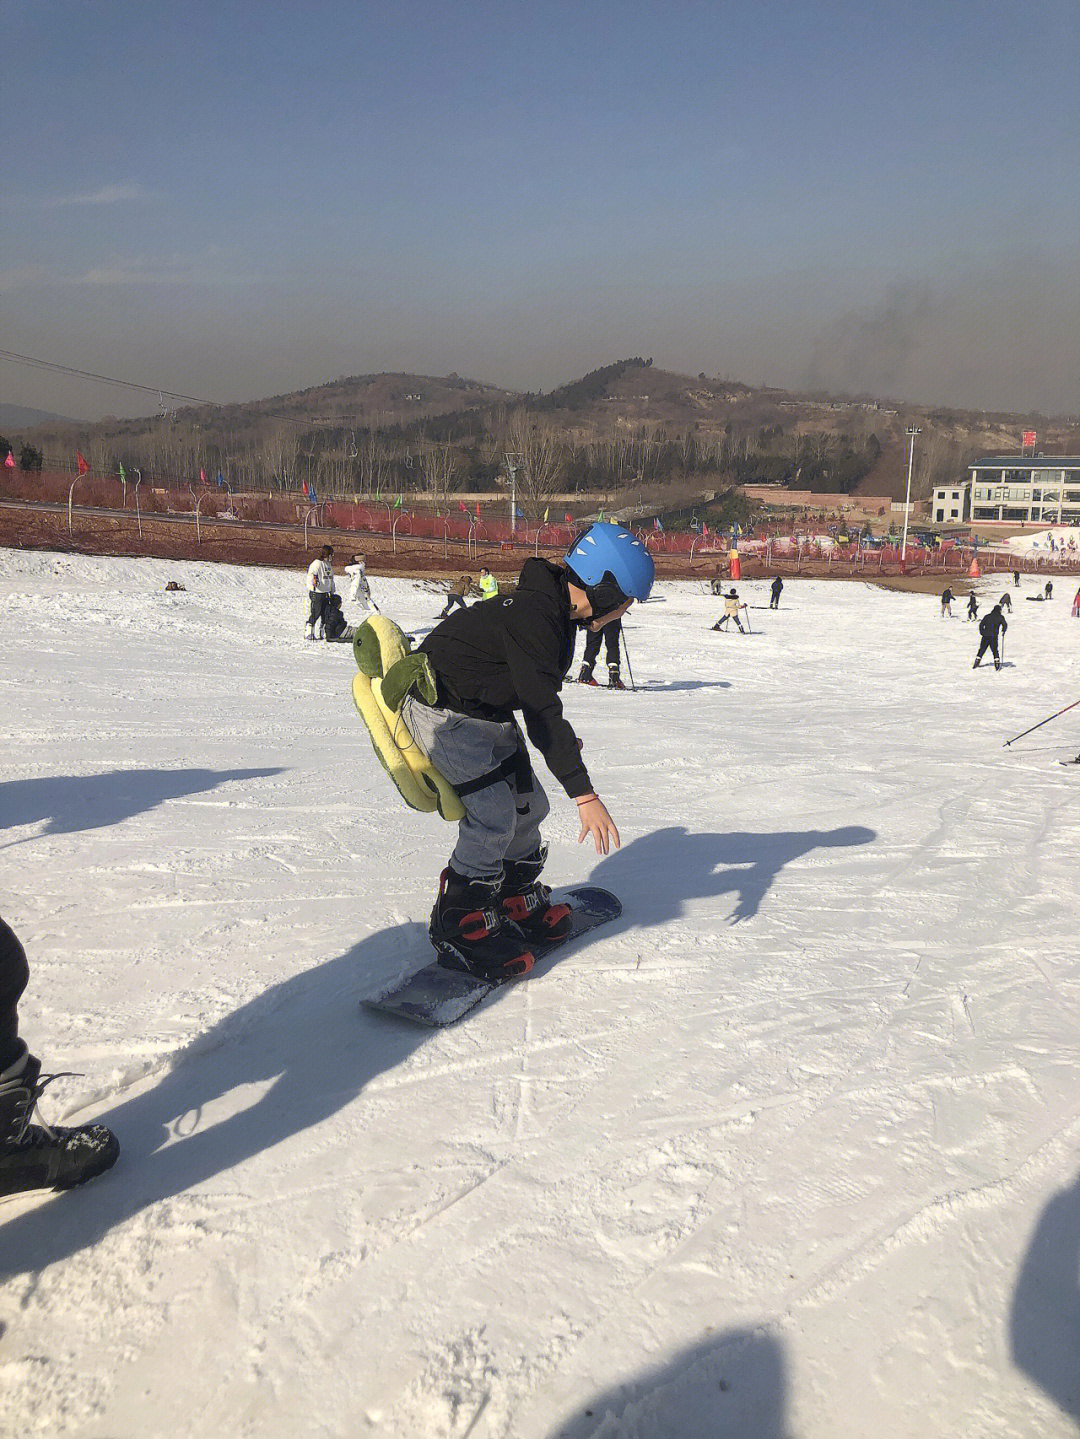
x: 537, y: 442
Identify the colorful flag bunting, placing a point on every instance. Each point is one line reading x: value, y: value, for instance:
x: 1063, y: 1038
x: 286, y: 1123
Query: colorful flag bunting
x: 656, y: 524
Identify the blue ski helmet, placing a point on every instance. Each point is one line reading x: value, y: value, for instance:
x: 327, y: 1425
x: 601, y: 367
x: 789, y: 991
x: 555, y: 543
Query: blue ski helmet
x: 612, y: 566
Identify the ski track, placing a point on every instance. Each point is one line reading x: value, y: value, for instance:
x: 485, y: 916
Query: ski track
x: 765, y: 1156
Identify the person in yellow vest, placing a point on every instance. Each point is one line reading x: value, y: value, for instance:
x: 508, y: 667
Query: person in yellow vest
x: 489, y: 585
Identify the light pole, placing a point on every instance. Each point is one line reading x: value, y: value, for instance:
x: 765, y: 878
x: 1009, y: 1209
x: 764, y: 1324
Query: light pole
x: 912, y: 430
x: 511, y: 470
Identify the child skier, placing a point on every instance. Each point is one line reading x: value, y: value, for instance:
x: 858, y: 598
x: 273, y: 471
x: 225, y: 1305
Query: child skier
x: 973, y: 607
x: 320, y: 580
x: 946, y: 602
x: 1005, y: 603
x: 610, y: 635
x: 989, y: 627
x: 488, y: 662
x: 361, y: 590
x: 36, y: 1156
x: 732, y: 606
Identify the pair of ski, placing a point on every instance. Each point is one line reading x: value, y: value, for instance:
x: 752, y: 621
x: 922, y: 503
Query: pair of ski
x: 436, y: 996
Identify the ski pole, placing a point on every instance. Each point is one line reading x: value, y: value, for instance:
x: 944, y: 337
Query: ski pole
x: 749, y: 631
x: 1041, y: 723
x: 626, y: 656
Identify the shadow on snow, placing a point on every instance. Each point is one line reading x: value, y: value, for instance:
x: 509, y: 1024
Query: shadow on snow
x: 1044, y: 1325
x: 76, y: 802
x: 306, y: 1040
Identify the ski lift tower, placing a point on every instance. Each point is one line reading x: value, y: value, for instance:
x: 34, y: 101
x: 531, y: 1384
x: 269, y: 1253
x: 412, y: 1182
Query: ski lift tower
x: 912, y: 430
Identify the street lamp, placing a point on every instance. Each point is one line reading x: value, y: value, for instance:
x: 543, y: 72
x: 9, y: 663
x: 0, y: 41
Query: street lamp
x: 912, y: 430
x: 511, y: 470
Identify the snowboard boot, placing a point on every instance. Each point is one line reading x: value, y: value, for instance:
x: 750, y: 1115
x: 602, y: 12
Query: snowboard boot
x: 527, y: 902
x: 613, y: 680
x: 43, y: 1156
x: 309, y: 632
x: 470, y: 932
x: 586, y: 677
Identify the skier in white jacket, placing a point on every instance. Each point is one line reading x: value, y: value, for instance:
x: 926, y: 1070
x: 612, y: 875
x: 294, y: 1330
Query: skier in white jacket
x: 361, y: 590
x: 320, y: 579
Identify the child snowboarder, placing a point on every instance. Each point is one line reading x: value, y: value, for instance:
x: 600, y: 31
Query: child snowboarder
x: 36, y: 1156
x: 334, y: 626
x: 1005, y: 603
x: 946, y: 602
x: 489, y: 585
x: 732, y: 606
x: 320, y: 580
x: 610, y: 635
x: 361, y: 590
x: 488, y: 662
x: 973, y: 607
x: 990, y: 626
x: 775, y: 590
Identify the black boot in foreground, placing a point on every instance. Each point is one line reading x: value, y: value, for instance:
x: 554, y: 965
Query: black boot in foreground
x: 471, y: 933
x: 527, y: 902
x: 43, y: 1156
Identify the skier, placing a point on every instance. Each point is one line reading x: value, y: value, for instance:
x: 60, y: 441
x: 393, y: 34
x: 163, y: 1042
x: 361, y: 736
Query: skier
x: 1016, y: 579
x: 732, y: 606
x: 1005, y: 602
x: 487, y: 663
x: 775, y: 589
x: 989, y: 627
x: 455, y: 596
x: 320, y: 579
x: 1049, y: 590
x: 610, y: 635
x: 361, y: 590
x: 973, y: 607
x: 36, y: 1156
x: 489, y: 585
x: 946, y: 602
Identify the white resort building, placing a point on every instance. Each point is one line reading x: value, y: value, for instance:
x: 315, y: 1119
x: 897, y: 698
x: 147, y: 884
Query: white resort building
x: 1043, y: 489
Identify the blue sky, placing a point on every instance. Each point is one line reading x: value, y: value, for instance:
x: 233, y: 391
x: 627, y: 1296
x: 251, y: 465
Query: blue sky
x: 232, y: 200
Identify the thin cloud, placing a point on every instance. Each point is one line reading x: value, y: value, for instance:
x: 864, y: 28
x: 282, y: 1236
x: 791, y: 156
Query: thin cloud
x: 103, y: 195
x: 209, y: 269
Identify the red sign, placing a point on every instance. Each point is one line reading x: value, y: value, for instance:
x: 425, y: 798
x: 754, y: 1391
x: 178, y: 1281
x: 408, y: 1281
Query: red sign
x: 1029, y: 439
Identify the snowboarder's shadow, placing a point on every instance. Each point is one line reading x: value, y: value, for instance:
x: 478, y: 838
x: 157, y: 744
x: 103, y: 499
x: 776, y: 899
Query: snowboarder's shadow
x: 665, y: 687
x: 732, y: 1386
x: 1045, y: 1320
x: 656, y: 874
x: 70, y: 803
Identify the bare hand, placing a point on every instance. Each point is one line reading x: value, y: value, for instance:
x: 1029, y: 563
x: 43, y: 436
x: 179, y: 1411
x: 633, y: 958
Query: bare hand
x: 596, y: 821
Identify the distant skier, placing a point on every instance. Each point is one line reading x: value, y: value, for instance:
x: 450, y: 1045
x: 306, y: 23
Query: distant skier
x: 361, y: 589
x: 946, y: 601
x: 320, y: 579
x: 973, y: 607
x: 489, y: 585
x: 990, y: 626
x: 610, y: 634
x: 1005, y: 603
x: 775, y: 589
x: 1016, y: 579
x: 36, y: 1156
x: 455, y: 597
x: 1048, y: 590
x: 489, y: 662
x: 732, y: 606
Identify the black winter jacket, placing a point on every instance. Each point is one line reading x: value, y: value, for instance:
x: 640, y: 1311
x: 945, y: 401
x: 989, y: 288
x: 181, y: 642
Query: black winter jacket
x: 993, y: 623
x: 511, y: 653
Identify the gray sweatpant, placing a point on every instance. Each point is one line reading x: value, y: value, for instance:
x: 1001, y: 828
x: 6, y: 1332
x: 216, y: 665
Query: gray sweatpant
x: 499, y: 822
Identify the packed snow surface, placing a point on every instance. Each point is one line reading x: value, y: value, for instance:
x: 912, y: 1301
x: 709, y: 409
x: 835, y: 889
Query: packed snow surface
x: 793, y: 1149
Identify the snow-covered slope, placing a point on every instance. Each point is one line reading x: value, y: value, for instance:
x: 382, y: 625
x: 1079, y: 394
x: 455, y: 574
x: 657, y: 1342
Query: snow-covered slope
x: 792, y: 1150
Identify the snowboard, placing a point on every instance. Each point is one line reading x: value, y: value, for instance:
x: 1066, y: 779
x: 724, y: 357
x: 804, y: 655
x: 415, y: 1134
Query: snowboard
x: 436, y: 996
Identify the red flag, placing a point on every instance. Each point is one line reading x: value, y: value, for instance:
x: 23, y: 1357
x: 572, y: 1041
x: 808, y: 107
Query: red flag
x: 80, y: 463
x: 569, y: 519
x: 478, y: 509
x: 463, y: 507
x: 10, y: 461
x: 202, y: 477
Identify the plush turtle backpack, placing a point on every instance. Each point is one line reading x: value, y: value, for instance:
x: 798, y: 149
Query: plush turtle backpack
x: 388, y: 669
